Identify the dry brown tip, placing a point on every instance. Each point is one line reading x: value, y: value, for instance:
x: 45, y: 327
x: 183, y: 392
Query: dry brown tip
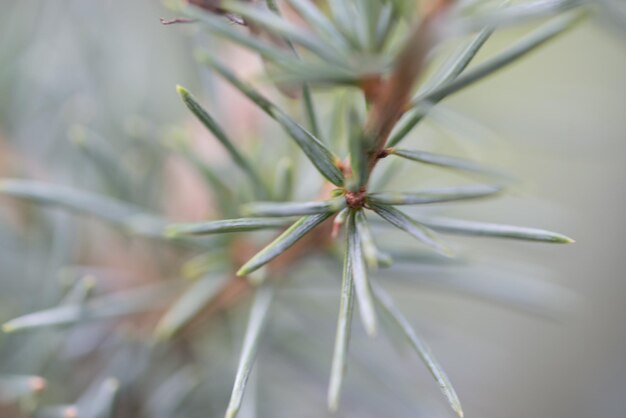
x: 175, y: 20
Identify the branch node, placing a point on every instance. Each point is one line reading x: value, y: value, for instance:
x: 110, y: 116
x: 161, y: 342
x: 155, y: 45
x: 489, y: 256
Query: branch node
x: 384, y: 153
x: 356, y: 200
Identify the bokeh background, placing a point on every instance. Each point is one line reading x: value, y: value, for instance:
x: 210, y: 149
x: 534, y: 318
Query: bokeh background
x: 85, y: 83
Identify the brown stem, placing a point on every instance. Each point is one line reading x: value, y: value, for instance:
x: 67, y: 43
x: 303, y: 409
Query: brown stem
x: 392, y: 98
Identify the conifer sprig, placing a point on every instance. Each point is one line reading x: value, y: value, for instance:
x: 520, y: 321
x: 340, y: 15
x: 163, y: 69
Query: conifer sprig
x: 351, y: 46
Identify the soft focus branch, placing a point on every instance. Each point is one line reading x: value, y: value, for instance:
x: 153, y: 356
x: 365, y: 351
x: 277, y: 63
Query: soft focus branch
x: 390, y: 99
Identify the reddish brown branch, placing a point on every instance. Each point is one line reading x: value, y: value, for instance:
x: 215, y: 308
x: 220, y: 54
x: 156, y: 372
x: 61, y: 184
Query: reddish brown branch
x: 391, y: 99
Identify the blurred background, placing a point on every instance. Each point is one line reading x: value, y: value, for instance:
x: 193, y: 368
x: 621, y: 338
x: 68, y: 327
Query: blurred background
x: 88, y: 100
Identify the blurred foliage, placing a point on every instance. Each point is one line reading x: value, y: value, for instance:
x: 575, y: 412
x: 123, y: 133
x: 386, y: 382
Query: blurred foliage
x: 123, y: 321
